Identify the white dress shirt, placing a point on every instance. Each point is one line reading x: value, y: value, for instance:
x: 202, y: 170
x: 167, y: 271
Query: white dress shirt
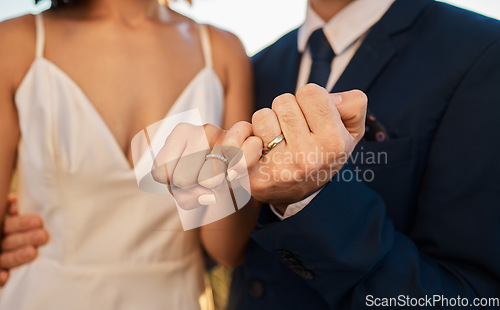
x: 345, y: 33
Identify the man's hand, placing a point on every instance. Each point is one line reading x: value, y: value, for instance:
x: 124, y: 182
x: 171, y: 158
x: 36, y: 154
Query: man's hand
x: 320, y: 131
x: 22, y: 234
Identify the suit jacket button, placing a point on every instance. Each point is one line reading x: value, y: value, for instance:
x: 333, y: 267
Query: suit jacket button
x: 301, y: 271
x: 308, y: 275
x: 291, y: 261
x: 256, y: 289
x: 298, y: 269
x: 284, y: 254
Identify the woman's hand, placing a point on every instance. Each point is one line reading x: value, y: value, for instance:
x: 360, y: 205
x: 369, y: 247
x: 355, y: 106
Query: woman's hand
x: 180, y: 160
x: 241, y: 149
x: 197, y: 161
x: 22, y: 235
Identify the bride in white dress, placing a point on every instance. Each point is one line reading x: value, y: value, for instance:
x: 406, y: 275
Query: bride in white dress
x: 76, y: 84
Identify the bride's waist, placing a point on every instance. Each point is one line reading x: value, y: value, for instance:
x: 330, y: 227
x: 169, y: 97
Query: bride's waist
x: 191, y: 260
x: 49, y: 284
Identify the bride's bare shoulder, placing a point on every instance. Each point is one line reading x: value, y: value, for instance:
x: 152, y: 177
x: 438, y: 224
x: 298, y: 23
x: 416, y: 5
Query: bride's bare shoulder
x: 229, y: 55
x: 221, y: 39
x: 17, y: 48
x: 17, y: 35
x: 228, y: 52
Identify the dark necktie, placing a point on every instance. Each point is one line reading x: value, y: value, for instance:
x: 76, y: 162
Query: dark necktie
x: 322, y: 57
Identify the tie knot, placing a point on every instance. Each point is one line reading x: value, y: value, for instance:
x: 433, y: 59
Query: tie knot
x: 319, y: 47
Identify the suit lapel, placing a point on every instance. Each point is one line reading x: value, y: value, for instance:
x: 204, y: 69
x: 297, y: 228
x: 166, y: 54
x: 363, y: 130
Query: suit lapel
x: 276, y: 69
x: 291, y: 64
x: 378, y: 47
x: 375, y: 52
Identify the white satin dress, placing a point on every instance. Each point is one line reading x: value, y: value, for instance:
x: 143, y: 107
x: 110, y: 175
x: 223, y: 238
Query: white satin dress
x: 112, y: 246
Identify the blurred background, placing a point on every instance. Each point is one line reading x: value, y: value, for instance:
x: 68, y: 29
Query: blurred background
x: 257, y: 22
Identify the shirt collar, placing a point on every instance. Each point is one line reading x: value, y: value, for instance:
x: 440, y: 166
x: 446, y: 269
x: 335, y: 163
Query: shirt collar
x: 347, y: 26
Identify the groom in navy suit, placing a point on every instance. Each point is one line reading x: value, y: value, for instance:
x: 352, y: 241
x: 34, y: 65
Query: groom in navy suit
x: 420, y: 226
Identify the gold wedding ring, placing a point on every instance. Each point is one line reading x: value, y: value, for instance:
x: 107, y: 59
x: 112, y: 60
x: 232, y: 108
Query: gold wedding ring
x: 273, y: 144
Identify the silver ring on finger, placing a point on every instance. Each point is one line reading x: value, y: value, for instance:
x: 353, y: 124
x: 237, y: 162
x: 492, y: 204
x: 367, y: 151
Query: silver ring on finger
x: 218, y: 157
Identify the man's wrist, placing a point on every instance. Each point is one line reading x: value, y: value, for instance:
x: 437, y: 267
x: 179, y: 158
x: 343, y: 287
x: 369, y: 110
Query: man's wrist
x: 284, y: 211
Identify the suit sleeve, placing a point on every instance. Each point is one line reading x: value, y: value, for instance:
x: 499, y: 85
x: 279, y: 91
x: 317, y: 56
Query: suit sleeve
x: 346, y: 244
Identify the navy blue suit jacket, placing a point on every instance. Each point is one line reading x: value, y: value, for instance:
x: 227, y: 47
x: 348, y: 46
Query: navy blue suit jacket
x: 429, y: 222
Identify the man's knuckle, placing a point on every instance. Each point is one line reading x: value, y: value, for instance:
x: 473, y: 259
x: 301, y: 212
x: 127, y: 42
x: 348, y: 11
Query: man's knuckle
x: 260, y: 115
x: 360, y: 96
x: 262, y: 119
x: 259, y: 128
x: 288, y: 116
x: 323, y: 109
x: 309, y: 90
x: 283, y: 100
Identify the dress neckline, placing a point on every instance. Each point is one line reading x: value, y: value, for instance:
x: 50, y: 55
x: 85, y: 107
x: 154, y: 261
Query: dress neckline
x: 98, y: 117
x: 40, y: 47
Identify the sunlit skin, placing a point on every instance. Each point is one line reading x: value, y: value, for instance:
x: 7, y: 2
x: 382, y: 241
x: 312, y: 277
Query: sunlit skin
x: 145, y: 64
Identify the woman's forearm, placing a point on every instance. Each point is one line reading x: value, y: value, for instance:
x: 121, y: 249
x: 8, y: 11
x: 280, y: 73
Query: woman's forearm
x: 225, y: 240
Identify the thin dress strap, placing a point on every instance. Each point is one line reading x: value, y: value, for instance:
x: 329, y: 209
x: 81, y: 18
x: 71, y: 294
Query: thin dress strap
x: 40, y: 35
x: 206, y: 45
